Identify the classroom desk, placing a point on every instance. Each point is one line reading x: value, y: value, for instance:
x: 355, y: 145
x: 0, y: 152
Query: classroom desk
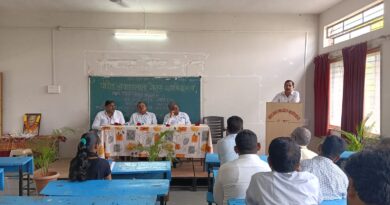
x: 141, y: 170
x: 119, y: 187
x: 1, y: 179
x: 66, y: 200
x: 346, y: 154
x: 325, y: 202
x: 20, y: 165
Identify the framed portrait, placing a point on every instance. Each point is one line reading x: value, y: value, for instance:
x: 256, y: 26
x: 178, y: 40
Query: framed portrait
x: 31, y: 124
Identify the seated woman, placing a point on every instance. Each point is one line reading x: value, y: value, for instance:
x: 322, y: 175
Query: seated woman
x: 87, y: 165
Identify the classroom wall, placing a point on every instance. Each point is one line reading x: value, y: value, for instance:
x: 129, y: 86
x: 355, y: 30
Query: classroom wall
x: 339, y: 11
x: 248, y: 58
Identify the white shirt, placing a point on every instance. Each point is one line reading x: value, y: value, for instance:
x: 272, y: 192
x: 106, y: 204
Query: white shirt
x: 333, y: 181
x: 274, y: 188
x: 225, y: 147
x: 292, y: 98
x: 180, y: 119
x: 103, y: 119
x: 148, y: 118
x: 306, y: 153
x: 234, y: 177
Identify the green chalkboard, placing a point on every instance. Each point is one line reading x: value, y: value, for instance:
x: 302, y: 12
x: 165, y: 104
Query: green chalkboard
x: 157, y: 92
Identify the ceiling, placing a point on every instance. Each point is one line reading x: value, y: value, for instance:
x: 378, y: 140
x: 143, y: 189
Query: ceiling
x: 173, y: 6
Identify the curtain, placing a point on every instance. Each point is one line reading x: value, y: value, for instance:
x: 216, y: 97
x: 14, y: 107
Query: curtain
x: 321, y: 95
x: 354, y: 58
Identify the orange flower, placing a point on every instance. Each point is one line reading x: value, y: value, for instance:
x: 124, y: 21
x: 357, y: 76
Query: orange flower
x: 177, y: 146
x: 157, y: 128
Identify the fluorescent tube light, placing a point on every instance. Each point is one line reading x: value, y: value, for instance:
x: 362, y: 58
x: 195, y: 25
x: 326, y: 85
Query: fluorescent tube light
x: 141, y: 35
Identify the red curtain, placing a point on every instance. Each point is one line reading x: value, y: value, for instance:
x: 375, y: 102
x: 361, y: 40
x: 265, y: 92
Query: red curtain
x: 354, y: 58
x: 321, y: 95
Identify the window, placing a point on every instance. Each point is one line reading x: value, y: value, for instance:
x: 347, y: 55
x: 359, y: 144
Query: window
x: 362, y: 22
x: 371, y: 91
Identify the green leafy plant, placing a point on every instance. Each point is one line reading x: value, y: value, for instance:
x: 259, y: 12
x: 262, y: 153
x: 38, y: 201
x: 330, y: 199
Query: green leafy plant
x: 160, y: 145
x: 356, y: 142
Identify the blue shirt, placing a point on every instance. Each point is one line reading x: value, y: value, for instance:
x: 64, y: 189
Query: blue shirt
x: 225, y: 148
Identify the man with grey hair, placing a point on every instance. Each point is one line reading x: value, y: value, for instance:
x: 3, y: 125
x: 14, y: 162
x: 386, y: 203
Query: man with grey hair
x: 175, y: 117
x: 302, y: 137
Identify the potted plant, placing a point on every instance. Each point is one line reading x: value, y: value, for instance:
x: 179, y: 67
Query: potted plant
x: 363, y: 137
x: 161, y: 146
x: 46, y: 152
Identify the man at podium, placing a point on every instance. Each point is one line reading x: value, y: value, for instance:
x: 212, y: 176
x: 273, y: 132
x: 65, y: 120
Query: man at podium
x: 289, y: 95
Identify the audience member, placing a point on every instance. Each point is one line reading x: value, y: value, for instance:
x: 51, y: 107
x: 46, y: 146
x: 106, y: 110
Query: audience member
x: 302, y: 137
x: 87, y: 165
x: 234, y: 176
x: 333, y: 181
x: 225, y: 146
x: 369, y: 178
x: 284, y: 184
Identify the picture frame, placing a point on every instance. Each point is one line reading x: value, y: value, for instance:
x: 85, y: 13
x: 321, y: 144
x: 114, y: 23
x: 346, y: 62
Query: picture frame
x: 31, y: 124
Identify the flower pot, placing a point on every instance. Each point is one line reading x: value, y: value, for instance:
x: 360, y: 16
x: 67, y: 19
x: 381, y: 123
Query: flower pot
x: 42, y: 181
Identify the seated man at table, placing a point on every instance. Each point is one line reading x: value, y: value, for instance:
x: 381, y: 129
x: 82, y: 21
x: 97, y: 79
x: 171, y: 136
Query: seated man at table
x: 110, y: 116
x: 175, y: 117
x: 234, y: 176
x: 369, y: 178
x: 87, y: 165
x: 302, y: 137
x: 284, y: 184
x: 333, y: 181
x: 142, y: 117
x: 225, y: 146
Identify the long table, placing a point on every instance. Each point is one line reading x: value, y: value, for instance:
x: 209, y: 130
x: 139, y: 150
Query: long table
x: 119, y: 187
x: 141, y: 170
x: 186, y: 141
x: 20, y: 165
x: 66, y: 200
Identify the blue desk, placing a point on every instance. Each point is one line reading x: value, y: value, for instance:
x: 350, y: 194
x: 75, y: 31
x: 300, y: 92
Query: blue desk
x: 20, y: 165
x: 236, y: 202
x: 346, y: 154
x: 334, y: 202
x: 120, y: 187
x: 326, y: 202
x: 141, y: 170
x: 1, y: 179
x: 103, y: 200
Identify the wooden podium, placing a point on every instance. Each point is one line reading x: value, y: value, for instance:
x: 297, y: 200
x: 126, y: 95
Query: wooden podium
x: 281, y: 120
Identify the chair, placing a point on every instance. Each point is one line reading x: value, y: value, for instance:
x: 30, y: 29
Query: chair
x: 217, y: 127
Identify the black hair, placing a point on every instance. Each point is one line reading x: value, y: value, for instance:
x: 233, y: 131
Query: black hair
x: 333, y: 146
x: 108, y: 102
x: 369, y: 171
x: 234, y: 124
x: 171, y: 104
x: 284, y: 154
x: 80, y: 164
x: 246, y: 142
x: 289, y: 81
x: 142, y: 102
